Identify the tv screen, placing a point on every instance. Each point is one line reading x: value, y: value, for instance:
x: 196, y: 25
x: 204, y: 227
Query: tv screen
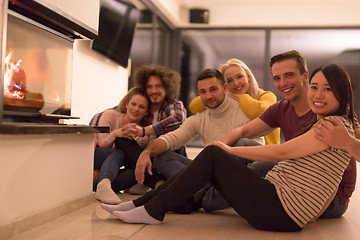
x: 117, y: 23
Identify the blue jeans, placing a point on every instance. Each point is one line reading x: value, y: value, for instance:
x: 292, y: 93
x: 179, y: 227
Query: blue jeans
x: 262, y: 168
x: 169, y: 163
x: 109, y: 161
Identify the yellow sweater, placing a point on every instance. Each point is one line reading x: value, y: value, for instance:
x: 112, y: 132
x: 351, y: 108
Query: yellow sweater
x: 252, y: 108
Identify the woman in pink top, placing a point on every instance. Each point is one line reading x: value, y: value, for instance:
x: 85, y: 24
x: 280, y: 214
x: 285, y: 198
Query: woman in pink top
x: 123, y: 122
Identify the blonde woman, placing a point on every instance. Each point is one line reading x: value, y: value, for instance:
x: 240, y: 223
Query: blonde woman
x: 243, y: 87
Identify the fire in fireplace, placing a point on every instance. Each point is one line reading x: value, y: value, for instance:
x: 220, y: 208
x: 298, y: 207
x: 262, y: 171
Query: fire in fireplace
x: 16, y: 96
x: 36, y: 70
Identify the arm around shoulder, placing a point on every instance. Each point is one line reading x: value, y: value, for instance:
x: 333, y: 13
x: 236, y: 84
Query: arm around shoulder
x: 300, y: 146
x: 255, y: 107
x: 253, y: 129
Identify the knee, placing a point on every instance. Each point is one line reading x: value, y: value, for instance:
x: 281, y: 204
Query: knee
x: 210, y: 152
x: 213, y: 149
x: 214, y: 154
x: 119, y: 153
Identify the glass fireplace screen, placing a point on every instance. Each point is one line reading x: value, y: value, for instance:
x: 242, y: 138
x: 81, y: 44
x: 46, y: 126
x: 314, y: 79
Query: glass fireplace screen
x: 38, y: 68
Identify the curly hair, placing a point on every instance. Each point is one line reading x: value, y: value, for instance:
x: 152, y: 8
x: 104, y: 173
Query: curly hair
x: 170, y: 79
x: 254, y: 91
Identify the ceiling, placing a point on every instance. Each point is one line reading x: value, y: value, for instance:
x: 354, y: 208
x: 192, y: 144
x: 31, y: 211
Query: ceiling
x: 319, y: 43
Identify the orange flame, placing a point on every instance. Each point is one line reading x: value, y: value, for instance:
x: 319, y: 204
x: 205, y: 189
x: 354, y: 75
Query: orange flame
x: 13, y: 89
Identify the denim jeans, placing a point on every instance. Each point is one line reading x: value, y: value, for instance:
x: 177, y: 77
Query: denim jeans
x: 335, y: 209
x: 109, y: 161
x: 169, y: 163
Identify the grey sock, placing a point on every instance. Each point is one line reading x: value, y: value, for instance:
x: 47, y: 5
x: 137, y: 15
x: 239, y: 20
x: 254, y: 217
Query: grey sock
x: 136, y: 215
x: 105, y: 194
x: 120, y: 207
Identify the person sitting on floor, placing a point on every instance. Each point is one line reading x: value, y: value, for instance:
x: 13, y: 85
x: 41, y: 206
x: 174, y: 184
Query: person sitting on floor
x: 293, y: 193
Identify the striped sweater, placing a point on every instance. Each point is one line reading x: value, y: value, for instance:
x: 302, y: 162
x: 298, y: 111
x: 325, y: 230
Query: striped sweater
x: 305, y: 184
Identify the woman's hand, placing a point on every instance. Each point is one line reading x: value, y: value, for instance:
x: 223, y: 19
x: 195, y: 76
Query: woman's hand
x: 221, y: 145
x: 132, y: 130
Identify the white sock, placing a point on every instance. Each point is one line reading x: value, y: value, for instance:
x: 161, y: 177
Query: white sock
x: 105, y: 194
x: 136, y: 215
x: 126, y: 206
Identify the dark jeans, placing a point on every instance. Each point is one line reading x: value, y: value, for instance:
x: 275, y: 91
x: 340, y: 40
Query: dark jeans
x: 252, y: 197
x: 109, y: 161
x: 132, y: 151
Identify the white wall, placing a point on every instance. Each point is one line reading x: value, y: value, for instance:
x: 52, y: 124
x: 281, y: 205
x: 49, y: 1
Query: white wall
x: 84, y: 11
x: 98, y: 83
x: 40, y: 172
x: 265, y: 13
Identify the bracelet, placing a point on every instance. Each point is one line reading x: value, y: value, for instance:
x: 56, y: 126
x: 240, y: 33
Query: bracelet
x: 143, y: 132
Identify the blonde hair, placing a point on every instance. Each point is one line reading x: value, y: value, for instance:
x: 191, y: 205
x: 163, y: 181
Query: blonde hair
x: 254, y: 91
x: 132, y: 92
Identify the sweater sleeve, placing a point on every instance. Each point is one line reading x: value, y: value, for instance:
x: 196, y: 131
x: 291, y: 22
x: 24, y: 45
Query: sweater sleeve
x: 107, y: 120
x: 197, y: 105
x: 181, y: 136
x: 255, y: 107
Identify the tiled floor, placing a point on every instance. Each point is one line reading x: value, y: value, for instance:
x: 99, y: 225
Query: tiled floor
x: 92, y: 222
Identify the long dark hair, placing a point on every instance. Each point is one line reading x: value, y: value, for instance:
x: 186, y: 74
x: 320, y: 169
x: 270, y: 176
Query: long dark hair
x: 340, y: 84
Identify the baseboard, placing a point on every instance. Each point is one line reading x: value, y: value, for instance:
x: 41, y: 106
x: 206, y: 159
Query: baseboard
x: 27, y: 223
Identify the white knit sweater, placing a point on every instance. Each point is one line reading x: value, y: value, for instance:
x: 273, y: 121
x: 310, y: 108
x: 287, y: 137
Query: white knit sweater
x: 211, y: 125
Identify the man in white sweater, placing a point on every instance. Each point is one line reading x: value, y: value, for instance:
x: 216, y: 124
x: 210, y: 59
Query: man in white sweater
x: 222, y: 114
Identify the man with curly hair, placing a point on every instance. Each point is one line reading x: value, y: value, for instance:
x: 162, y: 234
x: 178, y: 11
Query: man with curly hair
x: 166, y: 114
x: 163, y: 88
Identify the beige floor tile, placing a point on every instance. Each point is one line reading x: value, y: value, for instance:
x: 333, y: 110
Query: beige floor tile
x: 92, y: 222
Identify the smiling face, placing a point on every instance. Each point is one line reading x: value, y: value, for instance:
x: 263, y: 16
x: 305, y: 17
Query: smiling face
x: 136, y: 108
x: 237, y: 80
x: 212, y: 93
x: 288, y: 80
x: 321, y: 98
x: 155, y: 90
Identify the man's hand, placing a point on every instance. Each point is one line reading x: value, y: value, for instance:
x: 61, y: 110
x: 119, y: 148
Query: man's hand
x: 143, y: 163
x: 333, y: 133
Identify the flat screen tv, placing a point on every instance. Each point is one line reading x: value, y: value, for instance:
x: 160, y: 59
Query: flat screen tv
x: 117, y: 23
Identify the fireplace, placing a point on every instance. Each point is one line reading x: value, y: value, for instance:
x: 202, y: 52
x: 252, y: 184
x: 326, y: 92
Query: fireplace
x: 38, y: 68
x: 37, y: 53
